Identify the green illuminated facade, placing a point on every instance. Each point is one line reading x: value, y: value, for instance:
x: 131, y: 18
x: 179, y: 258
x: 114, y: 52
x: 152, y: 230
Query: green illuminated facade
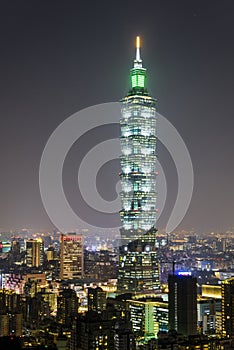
x: 138, y: 266
x: 138, y: 78
x: 149, y: 316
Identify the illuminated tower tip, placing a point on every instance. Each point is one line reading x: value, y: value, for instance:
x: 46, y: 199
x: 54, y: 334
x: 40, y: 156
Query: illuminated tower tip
x: 138, y: 42
x: 138, y: 61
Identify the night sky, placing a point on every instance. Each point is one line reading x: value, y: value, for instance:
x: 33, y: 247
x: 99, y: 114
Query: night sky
x: 58, y: 57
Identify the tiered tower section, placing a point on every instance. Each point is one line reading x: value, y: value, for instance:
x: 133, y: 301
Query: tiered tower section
x: 138, y: 147
x: 138, y: 181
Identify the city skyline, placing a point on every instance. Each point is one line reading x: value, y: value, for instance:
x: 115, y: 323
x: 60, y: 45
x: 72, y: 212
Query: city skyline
x: 101, y: 246
x: 51, y: 68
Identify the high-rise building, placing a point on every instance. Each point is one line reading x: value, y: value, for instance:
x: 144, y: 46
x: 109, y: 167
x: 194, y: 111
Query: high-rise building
x: 148, y: 316
x: 67, y: 306
x: 124, y: 338
x: 71, y: 256
x: 207, y: 309
x: 183, y: 304
x: 10, y: 313
x: 34, y: 252
x: 50, y: 254
x: 138, y: 265
x: 4, y: 324
x: 96, y: 299
x: 16, y: 324
x: 95, y: 332
x: 9, y: 300
x: 228, y: 307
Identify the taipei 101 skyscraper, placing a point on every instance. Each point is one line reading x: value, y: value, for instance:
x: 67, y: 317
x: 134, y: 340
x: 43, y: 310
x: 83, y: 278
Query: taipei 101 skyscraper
x: 138, y: 263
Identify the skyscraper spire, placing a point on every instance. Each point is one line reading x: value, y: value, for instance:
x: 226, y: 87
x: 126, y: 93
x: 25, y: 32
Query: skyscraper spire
x: 138, y: 61
x: 138, y: 73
